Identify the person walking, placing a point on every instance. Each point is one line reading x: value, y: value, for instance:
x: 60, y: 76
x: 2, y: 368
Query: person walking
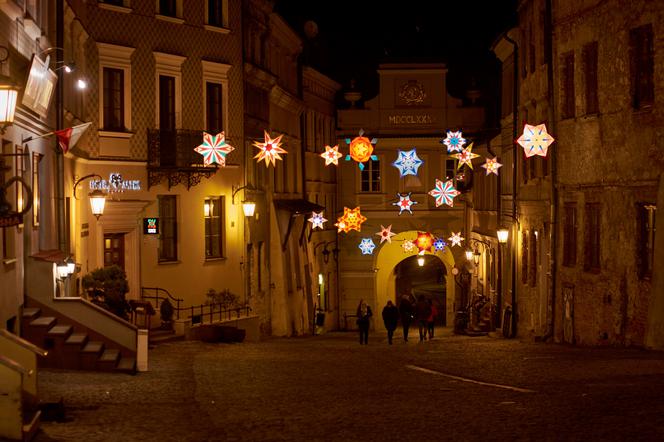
x: 390, y: 318
x: 406, y: 311
x: 432, y: 318
x: 363, y: 316
x: 422, y: 312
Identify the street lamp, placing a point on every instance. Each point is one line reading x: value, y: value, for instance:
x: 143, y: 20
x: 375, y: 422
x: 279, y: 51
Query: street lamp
x: 97, y: 197
x: 8, y: 97
x: 469, y: 255
x: 248, y: 206
x: 420, y: 261
x: 503, y: 235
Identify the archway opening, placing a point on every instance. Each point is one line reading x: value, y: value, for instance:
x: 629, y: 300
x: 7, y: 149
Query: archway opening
x: 423, y: 275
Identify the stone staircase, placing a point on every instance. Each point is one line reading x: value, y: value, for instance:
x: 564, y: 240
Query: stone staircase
x: 71, y: 348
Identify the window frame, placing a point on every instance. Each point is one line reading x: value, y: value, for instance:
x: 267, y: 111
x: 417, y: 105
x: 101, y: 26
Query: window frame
x: 115, y: 57
x: 169, y: 65
x: 641, y: 40
x: 217, y: 73
x: 208, y: 107
x: 223, y: 27
x: 221, y: 203
x: 570, y: 234
x: 590, y: 77
x: 120, y: 127
x: 369, y: 168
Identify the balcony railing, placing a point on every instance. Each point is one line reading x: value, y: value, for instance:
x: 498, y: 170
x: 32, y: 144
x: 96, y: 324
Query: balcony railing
x: 171, y: 156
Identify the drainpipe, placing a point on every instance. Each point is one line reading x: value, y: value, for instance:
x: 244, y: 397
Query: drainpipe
x: 553, y: 230
x: 63, y: 244
x: 515, y: 109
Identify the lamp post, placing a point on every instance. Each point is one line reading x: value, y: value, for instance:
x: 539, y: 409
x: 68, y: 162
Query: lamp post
x: 97, y: 197
x: 503, y: 237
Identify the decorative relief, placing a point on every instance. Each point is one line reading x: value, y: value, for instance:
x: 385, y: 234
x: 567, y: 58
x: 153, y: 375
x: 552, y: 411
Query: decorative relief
x: 412, y: 93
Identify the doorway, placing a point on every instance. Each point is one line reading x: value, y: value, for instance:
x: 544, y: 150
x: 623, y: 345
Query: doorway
x: 114, y: 250
x: 426, y: 278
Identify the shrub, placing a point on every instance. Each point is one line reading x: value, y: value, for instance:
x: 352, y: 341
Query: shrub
x: 107, y: 288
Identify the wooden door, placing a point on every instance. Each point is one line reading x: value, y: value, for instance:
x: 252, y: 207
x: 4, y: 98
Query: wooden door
x: 114, y: 250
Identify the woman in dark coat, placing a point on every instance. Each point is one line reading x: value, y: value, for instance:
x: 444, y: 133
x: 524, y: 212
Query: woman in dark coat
x: 390, y: 318
x: 363, y: 315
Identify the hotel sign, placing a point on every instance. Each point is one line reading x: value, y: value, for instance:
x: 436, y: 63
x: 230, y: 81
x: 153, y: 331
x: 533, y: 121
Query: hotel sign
x: 410, y: 119
x: 115, y: 183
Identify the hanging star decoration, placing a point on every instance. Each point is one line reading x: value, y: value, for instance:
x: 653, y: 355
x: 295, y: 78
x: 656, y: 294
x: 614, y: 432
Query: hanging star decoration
x: 465, y: 156
x: 407, y: 162
x: 269, y: 150
x: 331, y: 155
x: 535, y: 140
x: 423, y: 242
x: 444, y: 193
x: 386, y: 234
x: 456, y: 239
x: 317, y: 220
x: 454, y: 141
x: 492, y: 165
x: 361, y: 149
x: 350, y: 220
x: 404, y: 203
x: 439, y: 244
x: 214, y: 149
x: 367, y: 246
x: 408, y: 246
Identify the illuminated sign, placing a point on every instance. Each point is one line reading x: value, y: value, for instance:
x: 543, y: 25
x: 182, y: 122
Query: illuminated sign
x: 115, y: 183
x: 150, y: 226
x: 39, y: 86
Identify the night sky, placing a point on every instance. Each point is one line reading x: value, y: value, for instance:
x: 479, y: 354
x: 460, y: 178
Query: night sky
x: 355, y: 36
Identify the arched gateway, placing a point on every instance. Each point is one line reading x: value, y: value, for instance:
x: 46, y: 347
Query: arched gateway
x: 387, y: 260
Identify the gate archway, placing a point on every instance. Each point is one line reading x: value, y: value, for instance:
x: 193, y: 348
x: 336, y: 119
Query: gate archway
x: 386, y: 261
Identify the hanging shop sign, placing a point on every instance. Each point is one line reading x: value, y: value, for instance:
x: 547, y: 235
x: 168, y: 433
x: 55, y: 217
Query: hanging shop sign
x: 150, y: 226
x: 115, y: 183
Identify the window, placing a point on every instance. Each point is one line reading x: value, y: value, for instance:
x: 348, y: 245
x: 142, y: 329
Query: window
x: 590, y: 76
x: 646, y: 239
x: 166, y: 103
x: 168, y: 8
x: 450, y: 169
x: 569, y: 235
x: 215, y: 9
x: 592, y: 237
x: 641, y: 55
x: 213, y: 107
x: 567, y: 83
x: 214, y: 227
x: 370, y: 177
x: 36, y: 160
x: 524, y: 257
x: 168, y: 240
x: 114, y: 100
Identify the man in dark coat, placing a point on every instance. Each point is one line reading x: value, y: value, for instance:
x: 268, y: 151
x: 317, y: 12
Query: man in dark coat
x: 422, y: 312
x: 406, y: 311
x: 390, y: 318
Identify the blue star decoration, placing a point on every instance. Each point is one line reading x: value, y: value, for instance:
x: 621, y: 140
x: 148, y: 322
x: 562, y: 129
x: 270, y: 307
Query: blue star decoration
x: 367, y: 246
x: 404, y: 203
x: 439, y: 244
x: 407, y: 162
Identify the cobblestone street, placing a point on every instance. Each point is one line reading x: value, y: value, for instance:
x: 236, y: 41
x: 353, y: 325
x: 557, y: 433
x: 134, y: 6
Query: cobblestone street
x: 331, y: 388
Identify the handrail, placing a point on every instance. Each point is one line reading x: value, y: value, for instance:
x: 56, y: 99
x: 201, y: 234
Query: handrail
x: 101, y: 310
x: 157, y: 297
x: 23, y: 343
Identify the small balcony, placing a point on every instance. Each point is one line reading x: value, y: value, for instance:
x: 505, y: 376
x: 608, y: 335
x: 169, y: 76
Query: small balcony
x: 171, y: 157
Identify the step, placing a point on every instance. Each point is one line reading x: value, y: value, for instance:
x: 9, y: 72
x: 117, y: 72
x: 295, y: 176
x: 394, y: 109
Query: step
x: 89, y: 355
x: 31, y: 313
x: 77, y: 339
x: 36, y: 330
x: 94, y: 347
x: 126, y: 365
x: 44, y: 321
x: 108, y: 360
x: 60, y: 331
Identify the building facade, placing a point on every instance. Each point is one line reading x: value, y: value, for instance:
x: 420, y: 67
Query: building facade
x: 412, y: 111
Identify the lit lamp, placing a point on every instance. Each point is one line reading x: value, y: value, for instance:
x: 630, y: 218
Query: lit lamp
x: 469, y: 255
x: 420, y: 261
x: 8, y: 97
x: 97, y: 202
x: 63, y: 270
x: 476, y: 257
x: 248, y: 206
x: 502, y: 234
x: 71, y: 265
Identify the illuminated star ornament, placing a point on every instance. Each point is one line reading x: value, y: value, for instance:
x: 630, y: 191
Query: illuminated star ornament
x: 439, y: 244
x: 407, y: 162
x: 444, y: 193
x: 317, y: 220
x: 367, y: 246
x: 465, y: 156
x: 350, y: 220
x: 456, y: 239
x: 361, y: 149
x: 492, y: 165
x: 404, y: 203
x: 423, y: 242
x: 331, y: 155
x: 408, y: 246
x: 214, y: 149
x: 386, y: 234
x: 454, y: 141
x: 269, y: 150
x: 535, y: 140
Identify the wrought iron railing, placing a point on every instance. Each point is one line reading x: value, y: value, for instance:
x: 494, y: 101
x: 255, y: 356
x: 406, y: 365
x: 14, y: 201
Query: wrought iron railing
x: 159, y: 295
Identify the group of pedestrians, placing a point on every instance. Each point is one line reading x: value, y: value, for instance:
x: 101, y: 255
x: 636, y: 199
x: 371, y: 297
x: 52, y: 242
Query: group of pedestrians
x: 423, y: 310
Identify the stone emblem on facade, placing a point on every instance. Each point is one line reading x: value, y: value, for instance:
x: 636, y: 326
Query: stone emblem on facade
x: 412, y: 93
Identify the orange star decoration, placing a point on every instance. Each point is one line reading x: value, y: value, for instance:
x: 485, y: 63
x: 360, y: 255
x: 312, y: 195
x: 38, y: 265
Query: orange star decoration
x: 351, y: 220
x: 492, y: 165
x: 269, y: 150
x: 423, y: 242
x: 465, y: 156
x: 361, y: 149
x: 331, y: 155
